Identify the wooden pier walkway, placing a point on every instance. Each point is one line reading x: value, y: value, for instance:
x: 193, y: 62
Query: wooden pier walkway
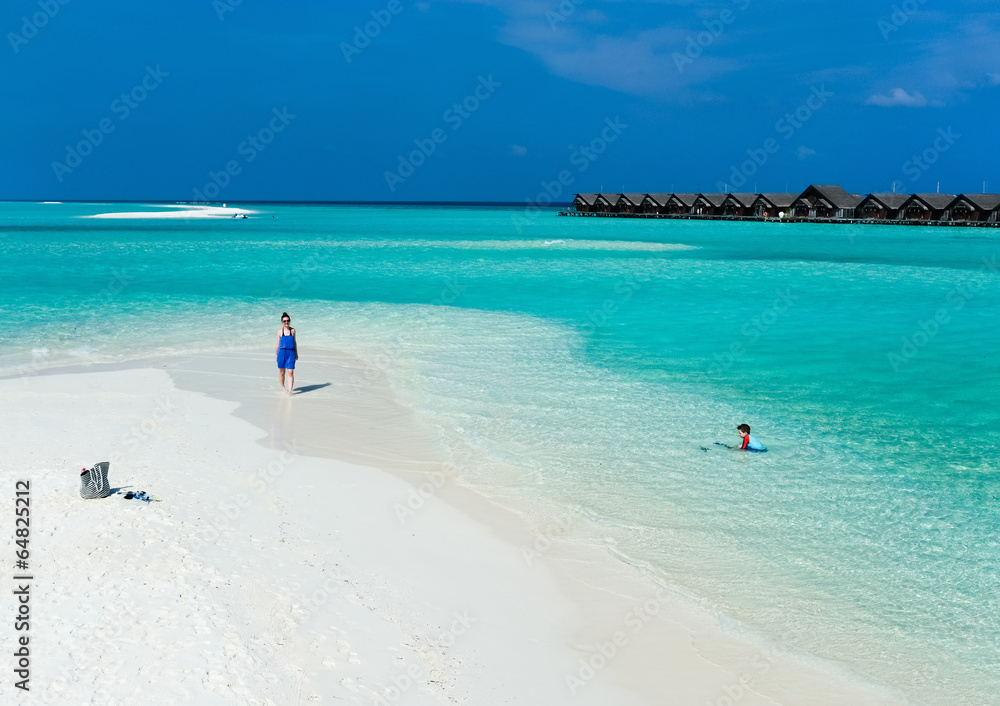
x: 790, y: 219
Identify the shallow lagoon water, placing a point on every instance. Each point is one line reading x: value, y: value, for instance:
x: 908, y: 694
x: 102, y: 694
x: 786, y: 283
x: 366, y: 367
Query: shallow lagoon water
x: 574, y: 367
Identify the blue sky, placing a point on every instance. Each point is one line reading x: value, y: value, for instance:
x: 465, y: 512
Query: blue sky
x: 377, y: 100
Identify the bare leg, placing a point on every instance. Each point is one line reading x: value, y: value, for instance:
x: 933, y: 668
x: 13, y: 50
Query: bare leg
x: 281, y: 377
x: 291, y: 380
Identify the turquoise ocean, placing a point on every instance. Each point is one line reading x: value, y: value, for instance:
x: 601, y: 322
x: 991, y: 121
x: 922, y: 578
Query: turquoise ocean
x: 572, y: 369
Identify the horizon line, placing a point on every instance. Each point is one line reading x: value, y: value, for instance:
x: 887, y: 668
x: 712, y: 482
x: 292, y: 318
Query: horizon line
x: 554, y: 204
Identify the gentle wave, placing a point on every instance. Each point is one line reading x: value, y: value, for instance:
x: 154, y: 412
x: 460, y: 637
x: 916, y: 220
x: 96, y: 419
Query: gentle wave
x: 610, y: 245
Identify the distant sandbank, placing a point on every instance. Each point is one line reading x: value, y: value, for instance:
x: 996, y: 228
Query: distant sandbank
x: 179, y: 211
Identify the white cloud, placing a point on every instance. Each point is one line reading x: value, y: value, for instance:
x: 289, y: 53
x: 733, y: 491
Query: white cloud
x: 518, y: 150
x: 803, y: 152
x: 661, y: 59
x: 898, y: 97
x: 962, y: 56
x: 620, y: 46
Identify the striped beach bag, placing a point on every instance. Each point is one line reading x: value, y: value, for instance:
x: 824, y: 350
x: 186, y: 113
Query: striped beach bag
x: 94, y: 481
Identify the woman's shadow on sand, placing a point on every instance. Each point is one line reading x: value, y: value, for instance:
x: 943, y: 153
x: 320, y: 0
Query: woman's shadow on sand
x: 311, y: 388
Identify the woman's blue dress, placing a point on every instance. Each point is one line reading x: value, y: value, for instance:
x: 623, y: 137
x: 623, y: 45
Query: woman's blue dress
x: 286, y: 353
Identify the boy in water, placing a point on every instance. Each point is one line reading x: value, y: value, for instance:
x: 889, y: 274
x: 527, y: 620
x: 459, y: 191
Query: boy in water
x: 750, y: 442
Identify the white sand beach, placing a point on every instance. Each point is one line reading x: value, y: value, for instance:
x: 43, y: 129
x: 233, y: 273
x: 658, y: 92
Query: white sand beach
x: 178, y: 211
x: 312, y: 550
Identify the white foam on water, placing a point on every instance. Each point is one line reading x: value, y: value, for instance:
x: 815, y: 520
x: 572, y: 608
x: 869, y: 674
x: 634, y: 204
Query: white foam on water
x: 501, y: 245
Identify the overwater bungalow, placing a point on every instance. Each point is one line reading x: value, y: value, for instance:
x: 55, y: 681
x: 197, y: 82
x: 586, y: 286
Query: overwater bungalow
x: 584, y: 203
x: 708, y: 204
x: 606, y: 203
x: 738, y: 204
x: 825, y: 201
x: 656, y: 203
x: 818, y: 203
x: 975, y: 207
x: 770, y: 205
x: 926, y: 207
x: 880, y: 207
x: 680, y: 203
x: 630, y: 203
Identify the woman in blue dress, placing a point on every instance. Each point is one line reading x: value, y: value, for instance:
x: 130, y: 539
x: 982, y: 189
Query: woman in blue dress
x: 287, y: 352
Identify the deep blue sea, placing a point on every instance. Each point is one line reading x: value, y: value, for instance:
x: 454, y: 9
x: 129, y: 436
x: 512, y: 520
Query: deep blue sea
x: 574, y: 367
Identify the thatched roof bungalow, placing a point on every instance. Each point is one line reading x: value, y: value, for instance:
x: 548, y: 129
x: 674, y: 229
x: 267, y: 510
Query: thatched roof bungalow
x: 708, y: 204
x: 975, y: 207
x: 770, y: 205
x: 818, y: 202
x: 656, y: 203
x: 825, y: 201
x: 680, y: 203
x: 926, y: 207
x: 880, y: 207
x: 630, y: 203
x: 738, y: 204
x: 606, y: 203
x: 584, y: 203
